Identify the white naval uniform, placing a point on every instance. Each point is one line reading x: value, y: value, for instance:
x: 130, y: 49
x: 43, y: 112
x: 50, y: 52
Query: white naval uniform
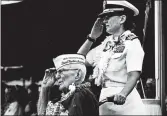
x: 125, y: 57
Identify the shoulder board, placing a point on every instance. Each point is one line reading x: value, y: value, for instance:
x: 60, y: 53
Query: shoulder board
x: 131, y: 37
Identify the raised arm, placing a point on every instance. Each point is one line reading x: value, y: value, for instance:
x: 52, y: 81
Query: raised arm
x: 96, y: 31
x: 47, y: 83
x: 43, y: 101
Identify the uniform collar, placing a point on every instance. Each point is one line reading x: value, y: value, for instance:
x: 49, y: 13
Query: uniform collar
x: 118, y: 39
x: 122, y: 37
x: 125, y: 33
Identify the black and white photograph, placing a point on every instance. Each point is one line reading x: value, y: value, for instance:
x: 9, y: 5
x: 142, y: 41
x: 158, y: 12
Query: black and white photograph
x: 83, y: 57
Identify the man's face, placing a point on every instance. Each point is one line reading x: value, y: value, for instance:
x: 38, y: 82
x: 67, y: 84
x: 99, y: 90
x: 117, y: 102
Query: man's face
x: 65, y: 77
x: 112, y: 24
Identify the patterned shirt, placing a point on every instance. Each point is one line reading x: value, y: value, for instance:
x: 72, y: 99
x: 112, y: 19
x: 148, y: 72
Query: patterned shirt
x: 80, y: 103
x: 55, y: 109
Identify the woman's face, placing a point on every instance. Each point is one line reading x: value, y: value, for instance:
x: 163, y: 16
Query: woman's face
x: 65, y: 77
x: 112, y: 24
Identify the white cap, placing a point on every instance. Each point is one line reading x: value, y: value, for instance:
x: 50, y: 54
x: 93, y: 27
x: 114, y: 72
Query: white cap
x: 67, y: 59
x: 118, y: 5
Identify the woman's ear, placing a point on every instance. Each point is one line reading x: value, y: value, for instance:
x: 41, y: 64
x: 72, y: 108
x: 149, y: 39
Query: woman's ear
x: 123, y: 19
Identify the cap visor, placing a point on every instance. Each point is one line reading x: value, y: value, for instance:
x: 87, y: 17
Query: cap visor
x: 101, y: 15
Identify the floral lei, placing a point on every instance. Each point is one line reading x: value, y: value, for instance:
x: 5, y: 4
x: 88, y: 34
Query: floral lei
x: 107, y: 50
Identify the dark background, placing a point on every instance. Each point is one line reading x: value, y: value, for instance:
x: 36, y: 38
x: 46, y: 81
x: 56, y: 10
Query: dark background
x: 35, y: 31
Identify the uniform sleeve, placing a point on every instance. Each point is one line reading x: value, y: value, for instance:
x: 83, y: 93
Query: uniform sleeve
x: 90, y: 57
x: 135, y: 55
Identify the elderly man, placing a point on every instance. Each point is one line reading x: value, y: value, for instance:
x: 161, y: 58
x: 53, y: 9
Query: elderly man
x: 69, y: 73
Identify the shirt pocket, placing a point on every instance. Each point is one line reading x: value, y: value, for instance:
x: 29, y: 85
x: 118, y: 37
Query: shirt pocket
x: 117, y: 62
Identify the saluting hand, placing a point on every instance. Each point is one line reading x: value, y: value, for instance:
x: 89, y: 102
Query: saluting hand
x: 97, y: 29
x: 49, y: 78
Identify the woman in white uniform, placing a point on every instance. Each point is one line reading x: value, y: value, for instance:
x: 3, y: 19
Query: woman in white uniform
x: 118, y: 60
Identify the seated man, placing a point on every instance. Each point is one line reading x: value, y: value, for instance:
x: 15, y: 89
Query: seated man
x: 76, y: 99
